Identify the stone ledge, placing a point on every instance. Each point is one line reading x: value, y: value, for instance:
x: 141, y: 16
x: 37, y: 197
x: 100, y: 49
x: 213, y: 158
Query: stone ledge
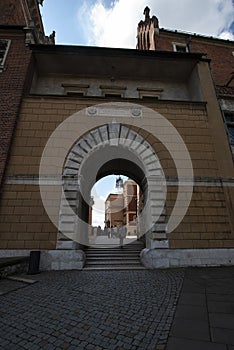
x: 62, y: 260
x: 52, y: 259
x: 12, y: 265
x: 67, y: 245
x: 168, y: 258
x: 9, y: 253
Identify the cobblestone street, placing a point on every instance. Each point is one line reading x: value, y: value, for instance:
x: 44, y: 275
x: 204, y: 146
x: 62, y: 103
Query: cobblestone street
x: 90, y: 310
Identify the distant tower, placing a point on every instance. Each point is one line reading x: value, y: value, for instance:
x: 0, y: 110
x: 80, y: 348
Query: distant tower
x: 119, y: 184
x: 147, y: 31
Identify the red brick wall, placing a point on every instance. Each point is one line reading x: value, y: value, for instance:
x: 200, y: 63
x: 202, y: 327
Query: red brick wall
x: 11, y: 13
x: 219, y: 51
x: 12, y: 80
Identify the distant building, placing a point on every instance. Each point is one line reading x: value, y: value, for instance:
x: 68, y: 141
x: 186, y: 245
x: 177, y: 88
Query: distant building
x: 130, y: 210
x: 114, y: 210
x: 121, y: 208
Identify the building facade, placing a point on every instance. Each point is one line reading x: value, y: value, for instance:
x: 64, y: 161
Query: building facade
x: 114, y: 210
x: 219, y: 52
x: 151, y: 114
x: 121, y: 209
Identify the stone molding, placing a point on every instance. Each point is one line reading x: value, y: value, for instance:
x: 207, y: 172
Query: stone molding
x: 170, y: 258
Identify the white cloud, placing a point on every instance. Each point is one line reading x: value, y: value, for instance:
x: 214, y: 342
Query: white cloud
x: 226, y: 35
x: 98, y: 211
x: 116, y: 26
x: 98, y: 219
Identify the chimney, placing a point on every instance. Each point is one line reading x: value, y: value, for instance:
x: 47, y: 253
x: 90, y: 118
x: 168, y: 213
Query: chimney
x: 147, y: 31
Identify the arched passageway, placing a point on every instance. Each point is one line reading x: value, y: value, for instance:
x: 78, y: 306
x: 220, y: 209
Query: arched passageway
x: 110, y: 149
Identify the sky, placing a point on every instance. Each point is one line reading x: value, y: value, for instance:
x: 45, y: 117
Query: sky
x: 113, y: 23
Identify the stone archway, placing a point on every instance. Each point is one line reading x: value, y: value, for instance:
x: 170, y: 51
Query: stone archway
x: 108, y: 149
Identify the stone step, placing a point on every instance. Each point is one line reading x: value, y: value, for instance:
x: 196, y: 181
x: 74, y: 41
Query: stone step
x: 116, y: 245
x: 130, y: 246
x: 113, y: 268
x: 114, y: 258
x: 106, y: 254
x: 115, y: 248
x: 110, y: 258
x: 113, y: 262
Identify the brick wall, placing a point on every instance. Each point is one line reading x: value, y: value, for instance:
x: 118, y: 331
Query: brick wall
x: 11, y: 12
x: 207, y: 223
x: 24, y: 223
x: 14, y: 16
x: 20, y: 12
x: 12, y: 80
x: 219, y: 51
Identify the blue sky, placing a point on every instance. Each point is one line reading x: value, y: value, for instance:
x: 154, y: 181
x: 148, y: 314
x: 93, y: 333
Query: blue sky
x: 64, y: 18
x: 113, y: 23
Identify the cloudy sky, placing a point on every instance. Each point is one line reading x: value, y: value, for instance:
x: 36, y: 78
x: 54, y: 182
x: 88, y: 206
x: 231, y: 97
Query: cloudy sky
x: 112, y: 23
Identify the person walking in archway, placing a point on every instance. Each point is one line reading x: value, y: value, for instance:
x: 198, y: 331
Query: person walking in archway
x: 122, y: 234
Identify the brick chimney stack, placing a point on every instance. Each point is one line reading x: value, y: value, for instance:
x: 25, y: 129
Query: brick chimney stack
x: 147, y: 31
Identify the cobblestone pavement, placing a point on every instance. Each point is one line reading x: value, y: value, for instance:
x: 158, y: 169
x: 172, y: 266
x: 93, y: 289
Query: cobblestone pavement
x: 90, y: 310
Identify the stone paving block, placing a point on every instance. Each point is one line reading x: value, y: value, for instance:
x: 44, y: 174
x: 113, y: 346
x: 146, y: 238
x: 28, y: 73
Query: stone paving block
x: 11, y: 347
x: 192, y: 299
x: 73, y: 347
x: 222, y: 335
x: 191, y: 312
x: 220, y: 289
x: 193, y: 287
x: 190, y: 329
x: 220, y: 307
x: 184, y: 344
x: 34, y: 347
x: 221, y: 297
x: 218, y: 320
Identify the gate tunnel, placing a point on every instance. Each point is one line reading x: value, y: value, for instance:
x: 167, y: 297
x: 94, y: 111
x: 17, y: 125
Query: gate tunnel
x: 110, y: 149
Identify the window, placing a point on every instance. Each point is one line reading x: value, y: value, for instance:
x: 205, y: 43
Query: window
x: 177, y: 47
x: 145, y: 92
x: 75, y: 90
x: 4, y: 47
x: 113, y: 95
x: 231, y: 133
x: 229, y: 117
x: 229, y: 120
x: 113, y: 91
